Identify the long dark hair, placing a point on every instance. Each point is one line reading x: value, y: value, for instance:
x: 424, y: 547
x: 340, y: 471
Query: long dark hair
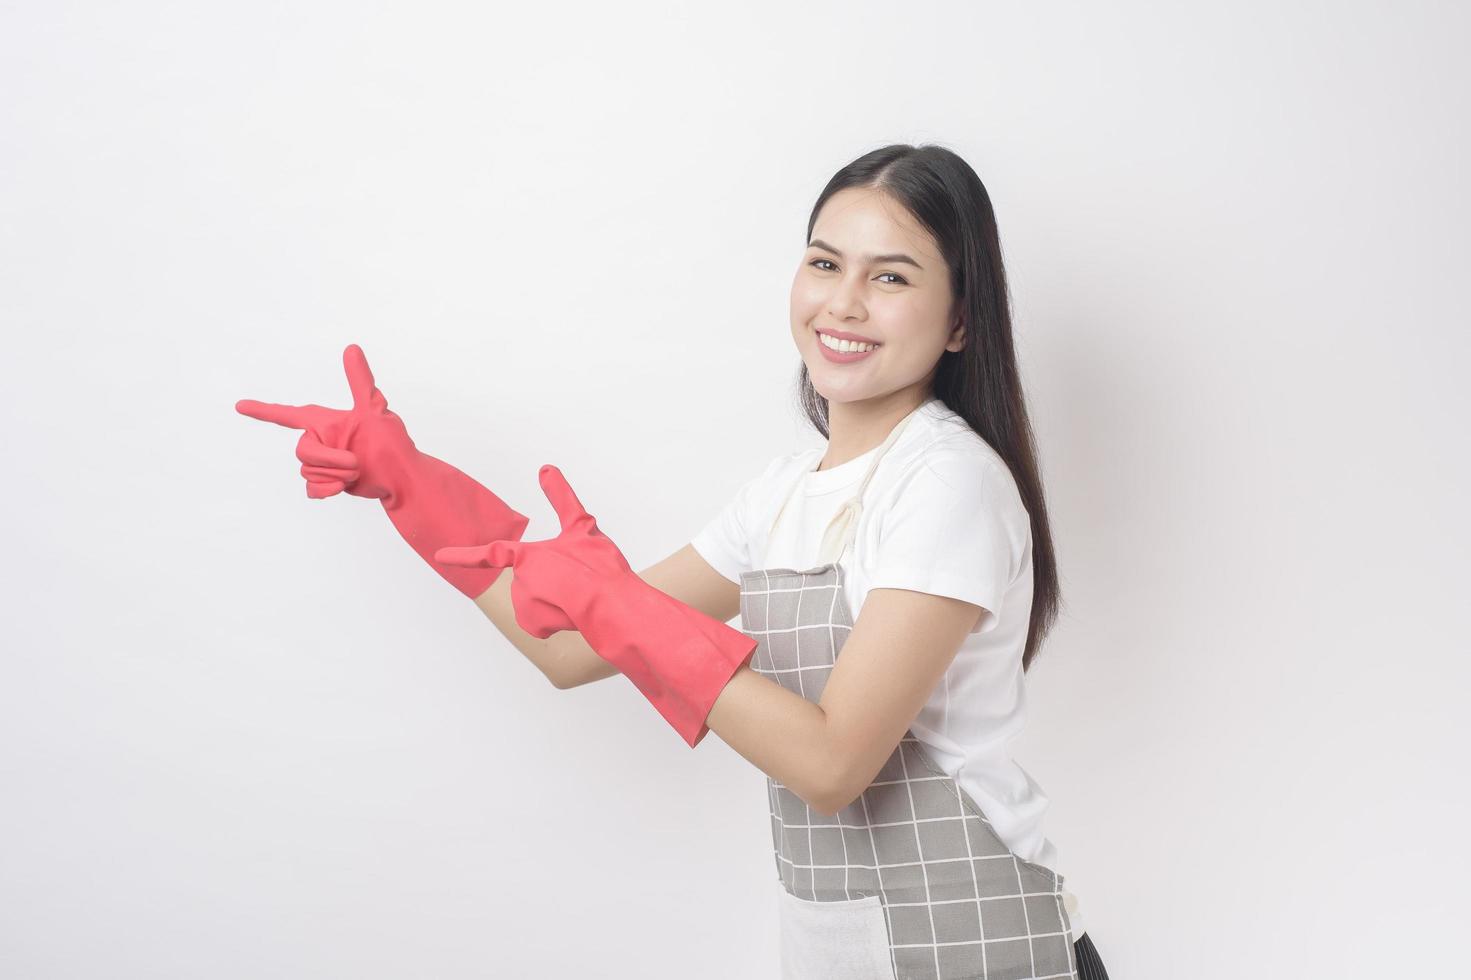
x: 980, y: 382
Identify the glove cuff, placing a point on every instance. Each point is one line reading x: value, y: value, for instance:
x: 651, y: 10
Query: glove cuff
x: 433, y: 505
x: 677, y: 656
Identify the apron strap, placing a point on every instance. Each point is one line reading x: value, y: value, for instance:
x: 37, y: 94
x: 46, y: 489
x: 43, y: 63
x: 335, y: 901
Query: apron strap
x: 844, y: 525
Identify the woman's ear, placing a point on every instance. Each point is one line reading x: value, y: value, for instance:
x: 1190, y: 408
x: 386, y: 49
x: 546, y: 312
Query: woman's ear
x: 957, y: 336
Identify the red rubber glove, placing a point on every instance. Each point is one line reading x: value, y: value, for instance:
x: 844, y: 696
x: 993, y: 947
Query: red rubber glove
x: 367, y: 451
x: 680, y: 658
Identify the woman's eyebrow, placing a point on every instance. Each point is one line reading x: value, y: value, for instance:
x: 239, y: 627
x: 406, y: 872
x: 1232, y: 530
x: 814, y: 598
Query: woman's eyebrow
x: 895, y: 257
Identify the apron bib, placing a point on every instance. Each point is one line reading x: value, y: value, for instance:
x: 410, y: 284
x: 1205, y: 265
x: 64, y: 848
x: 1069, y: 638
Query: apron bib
x: 909, y: 880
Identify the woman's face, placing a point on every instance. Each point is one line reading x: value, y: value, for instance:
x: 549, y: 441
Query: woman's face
x: 854, y: 280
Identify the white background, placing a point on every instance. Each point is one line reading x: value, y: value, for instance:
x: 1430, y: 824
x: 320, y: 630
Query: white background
x: 246, y: 734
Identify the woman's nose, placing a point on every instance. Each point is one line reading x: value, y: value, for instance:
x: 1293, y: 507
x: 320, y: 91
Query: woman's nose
x: 845, y: 301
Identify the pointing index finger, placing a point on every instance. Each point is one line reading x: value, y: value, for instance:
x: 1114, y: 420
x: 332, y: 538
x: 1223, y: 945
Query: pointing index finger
x: 291, y: 416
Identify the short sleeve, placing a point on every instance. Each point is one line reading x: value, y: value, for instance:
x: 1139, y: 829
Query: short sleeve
x: 725, y: 542
x: 956, y: 528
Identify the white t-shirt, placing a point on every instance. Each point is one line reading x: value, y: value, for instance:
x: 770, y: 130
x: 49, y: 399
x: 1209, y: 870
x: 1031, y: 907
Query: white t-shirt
x: 941, y: 515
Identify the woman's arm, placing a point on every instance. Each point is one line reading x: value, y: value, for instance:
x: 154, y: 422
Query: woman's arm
x: 829, y: 752
x: 567, y: 660
x: 826, y: 752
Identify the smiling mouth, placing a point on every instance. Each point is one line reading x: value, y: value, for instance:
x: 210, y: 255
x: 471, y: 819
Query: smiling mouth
x: 845, y: 346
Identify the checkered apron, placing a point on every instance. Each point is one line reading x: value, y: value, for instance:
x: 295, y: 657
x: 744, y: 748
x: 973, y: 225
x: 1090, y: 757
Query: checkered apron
x: 909, y: 880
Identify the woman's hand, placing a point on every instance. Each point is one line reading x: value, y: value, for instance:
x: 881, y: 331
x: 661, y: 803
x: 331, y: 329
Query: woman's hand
x: 349, y: 449
x: 366, y: 451
x: 554, y: 580
x: 678, y: 657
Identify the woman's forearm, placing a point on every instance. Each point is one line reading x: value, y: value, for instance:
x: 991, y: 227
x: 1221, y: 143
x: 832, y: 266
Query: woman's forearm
x: 781, y: 733
x: 564, y: 657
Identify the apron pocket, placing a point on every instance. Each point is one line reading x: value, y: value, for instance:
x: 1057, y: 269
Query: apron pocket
x: 846, y: 940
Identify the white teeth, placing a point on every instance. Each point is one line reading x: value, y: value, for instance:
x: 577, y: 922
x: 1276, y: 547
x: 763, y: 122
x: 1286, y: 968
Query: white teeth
x: 844, y: 346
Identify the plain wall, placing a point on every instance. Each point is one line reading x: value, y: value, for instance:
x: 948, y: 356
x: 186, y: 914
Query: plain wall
x: 247, y: 734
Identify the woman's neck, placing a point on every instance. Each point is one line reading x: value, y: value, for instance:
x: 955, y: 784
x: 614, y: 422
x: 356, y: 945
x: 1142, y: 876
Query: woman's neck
x: 854, y: 428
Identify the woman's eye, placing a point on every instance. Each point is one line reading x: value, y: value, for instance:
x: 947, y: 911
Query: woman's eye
x: 901, y: 279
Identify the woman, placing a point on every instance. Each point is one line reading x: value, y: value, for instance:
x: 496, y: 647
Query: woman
x: 907, y: 842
